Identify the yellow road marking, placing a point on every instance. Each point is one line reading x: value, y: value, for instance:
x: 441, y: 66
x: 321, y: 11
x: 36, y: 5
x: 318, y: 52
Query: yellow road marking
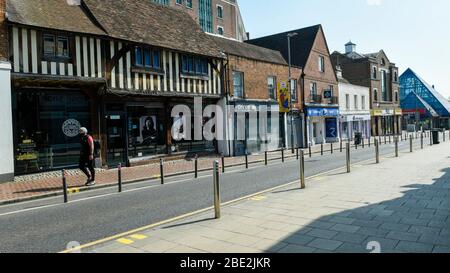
x: 258, y: 198
x: 127, y: 233
x: 125, y: 241
x: 73, y: 190
x: 138, y: 236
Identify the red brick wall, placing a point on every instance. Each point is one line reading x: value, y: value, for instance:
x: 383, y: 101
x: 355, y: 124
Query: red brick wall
x: 313, y: 73
x: 256, y: 74
x: 3, y: 32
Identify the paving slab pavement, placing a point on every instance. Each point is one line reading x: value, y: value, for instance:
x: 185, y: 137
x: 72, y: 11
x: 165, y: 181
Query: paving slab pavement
x: 401, y: 205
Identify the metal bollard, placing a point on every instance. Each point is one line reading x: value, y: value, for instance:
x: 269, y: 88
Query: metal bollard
x: 265, y: 158
x: 296, y: 153
x: 396, y: 148
x: 385, y: 139
x: 216, y: 189
x: 321, y: 148
x: 390, y: 139
x: 332, y: 148
x: 370, y: 140
x: 64, y: 181
x: 377, y: 151
x: 119, y: 176
x: 410, y: 144
x: 348, y: 157
x: 282, y: 154
x: 302, y: 170
x: 341, y: 147
x: 310, y: 152
x: 161, y: 169
x: 421, y: 140
x: 246, y: 160
x: 223, y: 163
x: 431, y: 139
x: 196, y: 166
x: 363, y: 140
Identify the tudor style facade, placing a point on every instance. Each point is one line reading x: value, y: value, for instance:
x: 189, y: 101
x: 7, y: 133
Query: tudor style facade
x: 113, y: 80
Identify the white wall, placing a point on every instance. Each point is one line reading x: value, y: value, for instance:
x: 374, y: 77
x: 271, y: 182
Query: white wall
x: 352, y: 90
x: 6, y: 136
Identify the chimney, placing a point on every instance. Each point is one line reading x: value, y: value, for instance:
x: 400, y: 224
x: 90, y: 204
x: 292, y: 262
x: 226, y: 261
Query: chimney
x: 350, y: 47
x: 3, y: 32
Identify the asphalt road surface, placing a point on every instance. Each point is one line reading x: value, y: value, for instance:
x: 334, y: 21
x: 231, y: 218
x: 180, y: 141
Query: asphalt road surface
x: 48, y: 225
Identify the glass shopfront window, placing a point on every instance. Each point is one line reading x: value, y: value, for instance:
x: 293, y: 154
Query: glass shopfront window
x: 46, y: 129
x: 146, y: 131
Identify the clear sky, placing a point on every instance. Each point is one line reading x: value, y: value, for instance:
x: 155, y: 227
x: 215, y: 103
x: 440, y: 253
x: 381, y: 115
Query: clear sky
x: 413, y: 33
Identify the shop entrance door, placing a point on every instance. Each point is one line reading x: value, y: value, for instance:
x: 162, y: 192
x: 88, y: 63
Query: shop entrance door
x: 115, y: 128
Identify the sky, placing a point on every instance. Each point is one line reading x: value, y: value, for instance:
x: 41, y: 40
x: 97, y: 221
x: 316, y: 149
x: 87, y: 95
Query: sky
x: 414, y: 33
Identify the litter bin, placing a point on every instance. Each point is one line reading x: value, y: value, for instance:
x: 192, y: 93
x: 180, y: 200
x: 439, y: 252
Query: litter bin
x: 358, y: 138
x: 435, y: 134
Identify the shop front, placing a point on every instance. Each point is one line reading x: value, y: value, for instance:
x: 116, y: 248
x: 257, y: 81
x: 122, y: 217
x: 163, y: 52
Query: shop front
x: 322, y: 125
x: 386, y: 122
x: 350, y: 125
x: 253, y: 131
x: 142, y: 129
x: 46, y: 128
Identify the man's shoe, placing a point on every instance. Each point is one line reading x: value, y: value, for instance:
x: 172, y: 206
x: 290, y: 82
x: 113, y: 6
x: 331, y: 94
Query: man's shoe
x: 90, y: 183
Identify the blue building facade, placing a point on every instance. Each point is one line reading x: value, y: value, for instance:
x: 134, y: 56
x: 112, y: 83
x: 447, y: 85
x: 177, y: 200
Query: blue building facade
x: 421, y: 103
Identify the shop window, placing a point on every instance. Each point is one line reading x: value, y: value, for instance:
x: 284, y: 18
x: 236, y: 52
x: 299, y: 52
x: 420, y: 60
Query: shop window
x: 47, y: 129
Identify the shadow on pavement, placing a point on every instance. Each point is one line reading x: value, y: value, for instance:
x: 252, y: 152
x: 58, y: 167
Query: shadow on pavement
x: 418, y: 222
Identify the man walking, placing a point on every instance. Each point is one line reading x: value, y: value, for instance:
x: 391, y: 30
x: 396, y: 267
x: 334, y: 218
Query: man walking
x: 87, y: 156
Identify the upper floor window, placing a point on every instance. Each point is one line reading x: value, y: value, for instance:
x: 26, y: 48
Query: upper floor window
x: 396, y: 96
x: 146, y: 57
x: 56, y: 46
x: 189, y: 3
x: 179, y: 2
x: 347, y: 101
x: 395, y: 76
x: 238, y: 84
x: 294, y: 92
x: 220, y: 30
x: 374, y: 72
x: 194, y: 65
x: 220, y: 12
x: 313, y: 90
x: 383, y: 61
x: 375, y: 95
x: 271, y: 85
x: 363, y: 102
x: 321, y: 64
x: 356, y: 102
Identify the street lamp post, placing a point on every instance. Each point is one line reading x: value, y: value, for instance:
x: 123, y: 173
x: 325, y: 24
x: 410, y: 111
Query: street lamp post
x: 291, y: 110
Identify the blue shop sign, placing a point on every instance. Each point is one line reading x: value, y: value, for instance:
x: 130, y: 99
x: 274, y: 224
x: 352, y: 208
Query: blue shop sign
x: 323, y: 112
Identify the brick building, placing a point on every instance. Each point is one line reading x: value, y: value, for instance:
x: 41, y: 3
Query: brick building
x: 318, y: 82
x: 378, y: 73
x: 251, y: 83
x: 218, y: 17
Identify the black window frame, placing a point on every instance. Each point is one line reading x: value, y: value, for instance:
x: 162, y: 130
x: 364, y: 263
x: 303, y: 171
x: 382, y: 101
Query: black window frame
x: 157, y: 67
x: 56, y: 55
x: 199, y: 65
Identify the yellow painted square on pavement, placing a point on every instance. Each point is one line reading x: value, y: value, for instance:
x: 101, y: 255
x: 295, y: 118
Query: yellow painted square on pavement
x: 138, y: 236
x: 258, y: 198
x: 125, y: 241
